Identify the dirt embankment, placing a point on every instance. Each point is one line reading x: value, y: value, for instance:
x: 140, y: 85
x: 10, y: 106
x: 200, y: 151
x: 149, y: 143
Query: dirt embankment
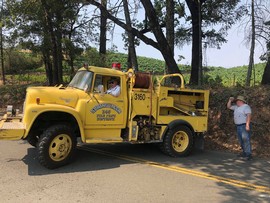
x: 221, y: 133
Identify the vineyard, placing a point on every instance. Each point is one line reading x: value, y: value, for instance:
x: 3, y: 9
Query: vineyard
x: 227, y: 77
x: 25, y: 71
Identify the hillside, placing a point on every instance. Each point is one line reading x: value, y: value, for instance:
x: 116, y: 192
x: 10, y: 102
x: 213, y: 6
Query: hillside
x: 234, y: 76
x: 212, y: 75
x: 28, y: 67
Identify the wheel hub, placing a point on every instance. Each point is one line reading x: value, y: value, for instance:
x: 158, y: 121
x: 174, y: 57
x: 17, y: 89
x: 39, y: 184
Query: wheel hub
x: 180, y: 141
x: 60, y: 147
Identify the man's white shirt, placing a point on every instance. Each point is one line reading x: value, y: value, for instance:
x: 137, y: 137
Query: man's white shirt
x: 115, y: 91
x: 240, y: 113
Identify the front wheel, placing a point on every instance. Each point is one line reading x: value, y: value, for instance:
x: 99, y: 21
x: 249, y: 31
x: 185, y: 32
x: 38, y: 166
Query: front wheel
x: 56, y: 146
x: 178, y: 142
x: 33, y: 137
x: 32, y: 140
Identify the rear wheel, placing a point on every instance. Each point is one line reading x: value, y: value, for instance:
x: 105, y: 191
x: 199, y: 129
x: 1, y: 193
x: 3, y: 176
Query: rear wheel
x: 56, y: 146
x: 178, y: 142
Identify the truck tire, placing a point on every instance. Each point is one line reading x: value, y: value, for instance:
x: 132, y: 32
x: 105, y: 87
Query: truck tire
x: 32, y: 140
x: 178, y: 141
x: 56, y: 146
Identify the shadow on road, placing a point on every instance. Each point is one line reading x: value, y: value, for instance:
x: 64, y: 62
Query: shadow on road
x: 221, y: 164
x: 84, y: 161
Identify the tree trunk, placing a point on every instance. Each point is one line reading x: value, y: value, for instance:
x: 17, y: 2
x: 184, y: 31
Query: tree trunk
x: 266, y: 73
x: 170, y: 25
x: 53, y: 40
x: 2, y: 53
x: 196, y: 61
x: 163, y: 44
x: 71, y: 54
x: 132, y: 59
x: 1, y: 45
x: 59, y: 49
x: 54, y: 57
x: 103, y: 31
x: 251, y: 55
x: 48, y: 68
x: 55, y: 32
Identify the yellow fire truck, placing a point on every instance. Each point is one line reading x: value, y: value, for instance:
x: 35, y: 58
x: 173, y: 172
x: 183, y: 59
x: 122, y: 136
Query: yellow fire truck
x: 146, y: 111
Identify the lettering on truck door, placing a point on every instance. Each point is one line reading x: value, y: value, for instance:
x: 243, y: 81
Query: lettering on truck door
x: 104, y: 108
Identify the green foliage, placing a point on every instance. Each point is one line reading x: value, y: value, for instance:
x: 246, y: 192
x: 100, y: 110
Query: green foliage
x: 27, y: 68
x: 213, y: 76
x: 17, y: 62
x: 213, y: 81
x: 12, y: 94
x: 233, y: 76
x: 92, y: 57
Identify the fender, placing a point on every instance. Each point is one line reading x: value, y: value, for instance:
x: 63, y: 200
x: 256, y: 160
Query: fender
x: 33, y: 111
x: 175, y: 123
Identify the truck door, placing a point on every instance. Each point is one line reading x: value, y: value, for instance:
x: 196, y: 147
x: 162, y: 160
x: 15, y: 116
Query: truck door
x: 103, y: 108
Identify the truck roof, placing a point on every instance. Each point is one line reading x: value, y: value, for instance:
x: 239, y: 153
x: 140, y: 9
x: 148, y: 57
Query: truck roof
x: 102, y: 70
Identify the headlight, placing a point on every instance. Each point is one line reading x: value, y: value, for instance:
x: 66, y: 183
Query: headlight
x: 9, y: 110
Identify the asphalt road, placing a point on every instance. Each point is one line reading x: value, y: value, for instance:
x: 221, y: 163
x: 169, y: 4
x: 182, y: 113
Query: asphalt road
x: 131, y: 173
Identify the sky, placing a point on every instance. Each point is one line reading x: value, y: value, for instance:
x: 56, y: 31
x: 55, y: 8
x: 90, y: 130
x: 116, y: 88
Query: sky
x: 233, y: 53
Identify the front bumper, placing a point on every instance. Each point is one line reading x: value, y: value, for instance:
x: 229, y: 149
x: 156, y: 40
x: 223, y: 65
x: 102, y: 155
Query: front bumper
x: 11, y: 128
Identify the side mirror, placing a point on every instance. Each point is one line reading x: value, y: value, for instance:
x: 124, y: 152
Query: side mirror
x: 86, y: 88
x: 101, y: 89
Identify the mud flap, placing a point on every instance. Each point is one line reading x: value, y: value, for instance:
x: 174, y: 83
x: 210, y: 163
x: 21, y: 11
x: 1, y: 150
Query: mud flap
x: 199, y: 142
x: 11, y: 130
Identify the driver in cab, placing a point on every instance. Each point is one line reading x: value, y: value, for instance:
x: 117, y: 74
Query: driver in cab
x: 114, y: 88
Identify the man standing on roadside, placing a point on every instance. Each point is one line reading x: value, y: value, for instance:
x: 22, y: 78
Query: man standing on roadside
x: 242, y: 118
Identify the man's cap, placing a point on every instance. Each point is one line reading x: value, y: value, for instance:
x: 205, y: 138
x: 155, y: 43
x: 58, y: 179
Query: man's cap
x: 241, y: 98
x: 113, y: 79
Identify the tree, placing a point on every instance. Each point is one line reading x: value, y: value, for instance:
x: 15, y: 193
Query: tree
x: 258, y: 31
x: 252, y: 47
x: 4, y: 18
x: 53, y: 29
x: 103, y: 33
x: 1, y: 44
x: 264, y: 28
x: 266, y: 73
x: 161, y: 43
x: 170, y: 24
x: 49, y: 27
x: 132, y: 57
x: 210, y: 21
x: 194, y: 8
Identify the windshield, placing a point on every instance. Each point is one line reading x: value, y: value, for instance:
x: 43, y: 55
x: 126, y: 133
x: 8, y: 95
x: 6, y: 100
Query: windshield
x: 82, y: 80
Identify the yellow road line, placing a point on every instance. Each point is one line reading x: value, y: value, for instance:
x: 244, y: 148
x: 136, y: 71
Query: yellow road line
x: 229, y: 181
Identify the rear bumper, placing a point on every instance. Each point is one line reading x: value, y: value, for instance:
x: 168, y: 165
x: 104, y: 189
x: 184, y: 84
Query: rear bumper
x: 11, y: 128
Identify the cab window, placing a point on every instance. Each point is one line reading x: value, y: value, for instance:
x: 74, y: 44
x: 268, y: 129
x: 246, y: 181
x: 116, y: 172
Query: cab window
x: 105, y: 81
